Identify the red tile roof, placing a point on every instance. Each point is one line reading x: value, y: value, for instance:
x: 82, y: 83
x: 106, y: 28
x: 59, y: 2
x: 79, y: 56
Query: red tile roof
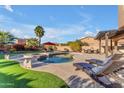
x: 49, y: 43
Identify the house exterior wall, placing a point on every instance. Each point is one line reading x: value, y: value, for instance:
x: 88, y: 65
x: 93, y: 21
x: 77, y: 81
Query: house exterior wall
x: 94, y: 44
x: 63, y: 48
x: 49, y: 46
x: 21, y: 41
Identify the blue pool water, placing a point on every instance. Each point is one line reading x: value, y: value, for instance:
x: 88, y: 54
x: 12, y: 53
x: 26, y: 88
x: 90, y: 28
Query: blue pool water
x: 56, y: 59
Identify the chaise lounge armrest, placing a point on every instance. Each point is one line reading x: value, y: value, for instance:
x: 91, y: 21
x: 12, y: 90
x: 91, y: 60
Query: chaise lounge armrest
x: 95, y: 61
x: 82, y: 66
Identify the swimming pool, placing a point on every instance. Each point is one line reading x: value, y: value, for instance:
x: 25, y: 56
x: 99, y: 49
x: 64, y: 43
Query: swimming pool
x: 56, y: 59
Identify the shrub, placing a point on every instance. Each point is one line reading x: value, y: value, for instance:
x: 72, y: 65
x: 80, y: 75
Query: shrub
x: 75, y: 46
x: 82, y: 43
x: 65, y: 49
x: 50, y: 48
x: 12, y: 50
x: 85, y: 44
x: 31, y: 44
x: 18, y: 47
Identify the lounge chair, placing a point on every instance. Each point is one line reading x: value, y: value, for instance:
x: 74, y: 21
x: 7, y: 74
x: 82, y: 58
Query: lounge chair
x: 100, y: 73
x: 97, y: 62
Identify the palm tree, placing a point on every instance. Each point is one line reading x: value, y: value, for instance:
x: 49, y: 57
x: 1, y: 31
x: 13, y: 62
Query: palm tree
x: 6, y: 37
x: 39, y: 31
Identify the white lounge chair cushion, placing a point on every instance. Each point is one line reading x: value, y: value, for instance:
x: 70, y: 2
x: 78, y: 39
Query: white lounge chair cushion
x: 100, y: 69
x: 108, y: 59
x: 97, y: 70
x: 105, y: 80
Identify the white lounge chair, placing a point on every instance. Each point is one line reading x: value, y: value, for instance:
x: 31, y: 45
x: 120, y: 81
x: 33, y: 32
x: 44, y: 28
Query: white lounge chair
x: 99, y: 73
x: 97, y: 62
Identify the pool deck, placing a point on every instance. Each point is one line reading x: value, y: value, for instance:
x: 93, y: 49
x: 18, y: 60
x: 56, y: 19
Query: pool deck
x: 66, y: 71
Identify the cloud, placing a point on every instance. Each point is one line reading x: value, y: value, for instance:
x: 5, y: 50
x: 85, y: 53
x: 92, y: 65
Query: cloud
x: 97, y: 30
x: 16, y: 32
x: 86, y: 18
x: 89, y: 33
x: 69, y: 30
x: 18, y: 29
x: 22, y: 32
x: 20, y: 14
x: 4, y: 19
x: 8, y: 8
x: 72, y: 32
x: 64, y: 33
x: 54, y: 34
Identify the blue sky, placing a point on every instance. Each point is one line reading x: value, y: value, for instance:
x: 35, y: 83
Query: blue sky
x: 61, y: 23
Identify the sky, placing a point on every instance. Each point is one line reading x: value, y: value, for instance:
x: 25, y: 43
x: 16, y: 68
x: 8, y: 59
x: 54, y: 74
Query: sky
x: 61, y: 23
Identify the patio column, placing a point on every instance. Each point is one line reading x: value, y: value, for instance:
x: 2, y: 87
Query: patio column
x: 27, y: 63
x: 7, y: 56
x: 116, y: 46
x: 100, y: 46
x: 106, y: 44
x: 111, y: 46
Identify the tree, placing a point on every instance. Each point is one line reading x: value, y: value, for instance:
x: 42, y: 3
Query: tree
x: 78, y: 41
x: 63, y: 44
x: 5, y: 37
x: 75, y: 46
x: 39, y: 31
x: 82, y: 43
x: 85, y: 44
x: 33, y: 42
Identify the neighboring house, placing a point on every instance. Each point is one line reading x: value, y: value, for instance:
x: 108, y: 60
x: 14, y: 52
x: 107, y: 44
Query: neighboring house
x: 6, y: 46
x: 93, y: 44
x: 49, y: 46
x: 2, y: 50
x: 63, y: 48
x: 20, y: 41
x: 90, y: 40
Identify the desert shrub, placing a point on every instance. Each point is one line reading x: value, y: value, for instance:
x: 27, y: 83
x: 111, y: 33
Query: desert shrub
x: 85, y: 44
x: 50, y: 48
x: 55, y: 48
x: 82, y: 43
x: 65, y: 49
x: 75, y: 46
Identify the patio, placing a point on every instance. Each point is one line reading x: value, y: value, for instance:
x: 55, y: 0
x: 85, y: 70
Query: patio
x: 66, y: 71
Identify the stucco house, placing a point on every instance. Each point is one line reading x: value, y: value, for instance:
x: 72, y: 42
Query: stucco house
x: 63, y: 47
x: 92, y: 43
x: 49, y: 46
x: 20, y: 41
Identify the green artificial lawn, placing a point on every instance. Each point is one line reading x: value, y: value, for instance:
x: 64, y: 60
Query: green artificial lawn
x: 14, y: 76
x: 1, y: 56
